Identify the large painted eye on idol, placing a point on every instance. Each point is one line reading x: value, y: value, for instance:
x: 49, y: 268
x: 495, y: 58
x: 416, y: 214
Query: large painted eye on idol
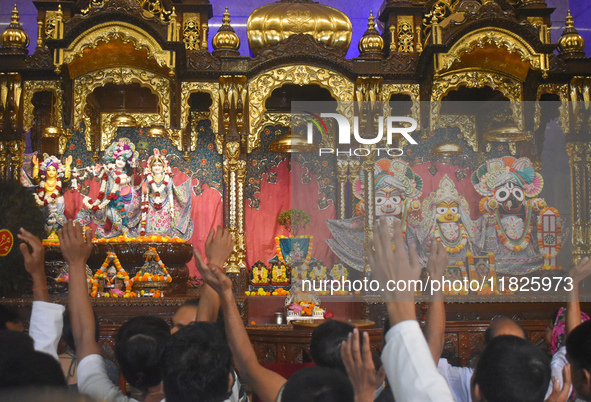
x: 502, y: 194
x: 454, y: 210
x: 518, y: 193
x: 441, y: 210
x: 396, y: 199
x: 380, y: 200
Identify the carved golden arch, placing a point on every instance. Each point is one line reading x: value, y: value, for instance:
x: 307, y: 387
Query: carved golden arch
x: 562, y: 91
x: 212, y: 88
x: 504, y: 83
x: 497, y: 37
x: 86, y: 83
x: 30, y: 89
x: 104, y: 33
x: 262, y: 85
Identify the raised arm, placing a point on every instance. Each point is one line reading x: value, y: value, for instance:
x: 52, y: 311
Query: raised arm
x: 406, y: 357
x: 265, y: 383
x: 573, y: 307
x: 435, y: 323
x: 218, y: 248
x: 76, y: 250
x: 46, y: 317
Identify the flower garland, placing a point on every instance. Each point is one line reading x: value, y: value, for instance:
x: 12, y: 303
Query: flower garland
x: 521, y: 243
x: 339, y: 272
x: 541, y: 235
x: 147, y: 277
x: 43, y: 198
x: 121, y: 179
x: 317, y: 274
x: 456, y: 246
x: 260, y: 274
x: 280, y: 253
x: 283, y: 277
x: 101, y: 274
x: 158, y: 189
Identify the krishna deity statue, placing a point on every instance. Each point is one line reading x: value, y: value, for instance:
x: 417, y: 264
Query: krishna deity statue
x: 396, y: 190
x: 510, y: 207
x: 117, y: 201
x: 52, y: 176
x: 446, y: 218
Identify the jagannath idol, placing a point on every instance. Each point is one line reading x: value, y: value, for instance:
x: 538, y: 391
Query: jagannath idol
x: 166, y: 207
x: 52, y: 176
x: 117, y: 201
x: 446, y: 218
x: 520, y: 242
x: 396, y: 187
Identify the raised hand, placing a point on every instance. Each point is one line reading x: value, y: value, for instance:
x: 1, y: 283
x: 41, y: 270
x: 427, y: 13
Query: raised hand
x: 360, y: 367
x: 218, y: 246
x: 581, y: 270
x: 561, y: 394
x: 213, y: 276
x: 35, y: 256
x: 75, y: 248
x: 438, y: 259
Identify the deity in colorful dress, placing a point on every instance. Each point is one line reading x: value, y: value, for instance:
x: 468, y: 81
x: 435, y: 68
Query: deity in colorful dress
x: 117, y: 203
x: 166, y: 207
x: 396, y: 187
x: 52, y: 176
x: 446, y: 218
x: 523, y: 233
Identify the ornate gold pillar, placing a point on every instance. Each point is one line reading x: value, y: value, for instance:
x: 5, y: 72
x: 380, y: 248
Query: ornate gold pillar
x: 342, y: 169
x: 576, y: 152
x: 232, y: 123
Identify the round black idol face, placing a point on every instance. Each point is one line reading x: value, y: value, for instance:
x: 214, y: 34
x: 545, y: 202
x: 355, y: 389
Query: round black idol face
x: 510, y: 197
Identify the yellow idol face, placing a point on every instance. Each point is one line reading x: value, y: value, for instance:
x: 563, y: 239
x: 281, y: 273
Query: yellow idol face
x: 447, y: 212
x: 51, y: 172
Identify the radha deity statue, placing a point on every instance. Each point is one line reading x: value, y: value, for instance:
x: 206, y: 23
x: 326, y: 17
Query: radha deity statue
x: 510, y: 208
x: 166, y: 207
x: 52, y: 176
x: 396, y: 187
x: 117, y: 201
x: 446, y: 218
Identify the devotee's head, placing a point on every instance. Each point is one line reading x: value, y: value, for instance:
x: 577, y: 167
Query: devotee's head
x: 578, y: 353
x: 140, y: 347
x: 511, y: 369
x: 185, y: 315
x: 19, y: 209
x: 326, y: 341
x: 68, y: 336
x: 198, y: 365
x: 10, y: 319
x: 21, y: 366
x: 317, y: 384
x: 504, y: 326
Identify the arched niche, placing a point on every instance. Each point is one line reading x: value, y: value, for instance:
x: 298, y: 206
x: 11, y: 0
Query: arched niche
x: 261, y: 87
x: 188, y: 104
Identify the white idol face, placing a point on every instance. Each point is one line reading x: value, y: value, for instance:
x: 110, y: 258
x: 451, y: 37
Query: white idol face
x: 120, y: 162
x: 157, y: 168
x: 389, y: 202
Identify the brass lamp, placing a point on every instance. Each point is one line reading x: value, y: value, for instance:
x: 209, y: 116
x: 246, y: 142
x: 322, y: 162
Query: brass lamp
x: 123, y: 119
x: 292, y: 143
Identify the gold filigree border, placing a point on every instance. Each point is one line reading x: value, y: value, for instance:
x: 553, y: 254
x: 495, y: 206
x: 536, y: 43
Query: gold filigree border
x: 32, y: 87
x: 506, y: 84
x: 104, y: 33
x: 86, y: 83
x: 409, y: 89
x: 500, y: 38
x: 562, y: 91
x: 261, y: 87
x: 108, y: 131
x: 212, y: 88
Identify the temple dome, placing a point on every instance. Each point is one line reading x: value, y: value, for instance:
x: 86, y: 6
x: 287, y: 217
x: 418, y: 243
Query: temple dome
x: 571, y: 42
x: 226, y: 41
x: 14, y: 37
x: 275, y: 22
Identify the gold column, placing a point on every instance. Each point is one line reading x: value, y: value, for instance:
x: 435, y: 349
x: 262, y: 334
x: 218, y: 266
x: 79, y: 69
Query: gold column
x: 369, y: 162
x: 342, y: 168
x: 576, y: 152
x: 232, y: 123
x: 354, y: 173
x: 16, y: 150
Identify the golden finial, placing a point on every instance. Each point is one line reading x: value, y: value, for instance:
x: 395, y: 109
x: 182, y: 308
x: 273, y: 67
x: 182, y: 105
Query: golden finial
x: 371, y: 44
x: 14, y: 37
x: 570, y: 42
x: 225, y: 42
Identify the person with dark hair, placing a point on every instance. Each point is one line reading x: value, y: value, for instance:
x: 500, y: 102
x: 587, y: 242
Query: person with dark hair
x: 511, y: 369
x: 186, y: 314
x: 22, y: 366
x: 10, y: 319
x: 326, y: 341
x: 317, y: 384
x: 68, y: 359
x: 502, y: 325
x: 578, y: 353
x: 198, y: 365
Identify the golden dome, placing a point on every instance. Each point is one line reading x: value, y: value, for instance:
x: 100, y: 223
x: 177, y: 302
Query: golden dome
x: 571, y: 42
x: 275, y: 22
x: 225, y: 42
x: 371, y: 43
x: 14, y: 36
x: 292, y: 143
x: 447, y: 148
